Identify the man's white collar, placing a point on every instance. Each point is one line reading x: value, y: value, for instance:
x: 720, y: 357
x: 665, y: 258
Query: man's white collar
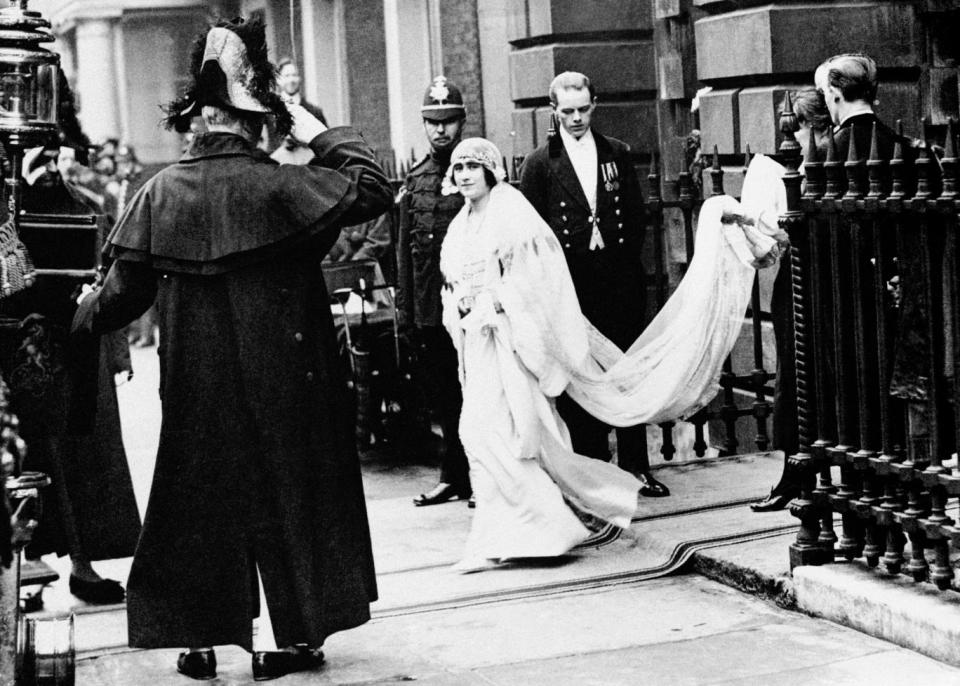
x: 569, y: 140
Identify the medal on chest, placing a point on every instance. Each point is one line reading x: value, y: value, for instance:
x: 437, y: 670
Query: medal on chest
x: 611, y: 177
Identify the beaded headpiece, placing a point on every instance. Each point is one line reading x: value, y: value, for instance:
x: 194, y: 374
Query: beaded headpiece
x: 478, y: 150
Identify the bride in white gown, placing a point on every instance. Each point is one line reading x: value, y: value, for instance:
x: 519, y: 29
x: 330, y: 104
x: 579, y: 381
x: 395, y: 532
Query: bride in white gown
x: 511, y: 309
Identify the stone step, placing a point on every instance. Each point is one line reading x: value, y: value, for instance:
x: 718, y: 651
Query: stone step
x: 912, y: 615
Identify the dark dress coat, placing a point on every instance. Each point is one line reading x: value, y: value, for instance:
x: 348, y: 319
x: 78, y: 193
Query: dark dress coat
x: 66, y: 402
x: 909, y: 320
x: 425, y: 214
x: 424, y: 217
x: 257, y: 463
x: 609, y: 282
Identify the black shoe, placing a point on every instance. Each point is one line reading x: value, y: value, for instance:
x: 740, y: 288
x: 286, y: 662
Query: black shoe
x: 773, y: 502
x: 103, y: 592
x: 273, y: 664
x: 472, y: 501
x: 650, y: 487
x: 441, y: 493
x: 200, y: 664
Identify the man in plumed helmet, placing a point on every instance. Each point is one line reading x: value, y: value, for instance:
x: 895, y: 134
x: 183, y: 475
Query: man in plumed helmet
x: 256, y: 473
x: 425, y: 214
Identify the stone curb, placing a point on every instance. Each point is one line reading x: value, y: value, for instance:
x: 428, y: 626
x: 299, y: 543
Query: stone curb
x: 717, y: 567
x: 914, y: 616
x: 897, y: 610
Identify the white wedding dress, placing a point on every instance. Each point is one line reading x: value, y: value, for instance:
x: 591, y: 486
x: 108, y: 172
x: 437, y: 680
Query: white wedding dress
x: 524, y: 341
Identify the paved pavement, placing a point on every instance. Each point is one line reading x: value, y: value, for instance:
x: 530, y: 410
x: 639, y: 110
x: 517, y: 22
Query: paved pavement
x: 683, y: 630
x: 604, y: 616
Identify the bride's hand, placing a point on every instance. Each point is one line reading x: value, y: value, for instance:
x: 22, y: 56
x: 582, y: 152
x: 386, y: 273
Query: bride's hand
x: 733, y: 213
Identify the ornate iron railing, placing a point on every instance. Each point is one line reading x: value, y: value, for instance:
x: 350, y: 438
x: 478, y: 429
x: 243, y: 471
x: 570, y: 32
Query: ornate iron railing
x: 875, y: 292
x: 755, y: 382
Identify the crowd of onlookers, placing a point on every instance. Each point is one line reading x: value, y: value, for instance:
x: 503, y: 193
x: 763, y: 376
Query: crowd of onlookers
x: 112, y: 170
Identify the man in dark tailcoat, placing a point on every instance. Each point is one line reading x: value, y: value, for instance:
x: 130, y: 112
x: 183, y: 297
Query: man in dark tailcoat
x: 849, y: 84
x: 585, y: 186
x: 257, y: 471
x: 425, y: 214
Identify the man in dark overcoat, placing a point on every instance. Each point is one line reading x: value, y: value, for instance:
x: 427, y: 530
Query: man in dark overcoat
x: 849, y: 85
x: 425, y: 214
x: 257, y: 470
x: 90, y: 512
x: 585, y: 187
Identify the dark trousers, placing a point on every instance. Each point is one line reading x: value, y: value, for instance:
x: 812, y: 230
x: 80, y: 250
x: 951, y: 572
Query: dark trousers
x: 442, y: 386
x: 785, y: 434
x: 590, y: 437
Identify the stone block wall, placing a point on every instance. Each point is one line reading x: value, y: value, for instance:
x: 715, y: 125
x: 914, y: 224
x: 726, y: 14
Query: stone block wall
x: 751, y: 55
x: 609, y: 41
x: 367, y: 71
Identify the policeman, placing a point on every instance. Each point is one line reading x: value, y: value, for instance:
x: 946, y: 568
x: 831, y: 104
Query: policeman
x: 585, y: 187
x: 425, y: 214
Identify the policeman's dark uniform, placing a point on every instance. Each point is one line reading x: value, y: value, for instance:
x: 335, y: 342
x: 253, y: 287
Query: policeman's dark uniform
x: 610, y: 280
x: 425, y: 214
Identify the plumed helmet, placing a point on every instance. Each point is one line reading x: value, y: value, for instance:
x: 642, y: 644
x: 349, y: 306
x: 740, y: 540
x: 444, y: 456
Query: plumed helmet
x: 229, y: 68
x: 442, y: 101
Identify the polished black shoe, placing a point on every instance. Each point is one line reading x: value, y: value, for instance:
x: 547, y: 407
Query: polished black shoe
x: 200, y: 664
x: 103, y: 592
x: 650, y: 487
x: 273, y: 664
x: 441, y: 493
x: 773, y: 502
x: 472, y: 501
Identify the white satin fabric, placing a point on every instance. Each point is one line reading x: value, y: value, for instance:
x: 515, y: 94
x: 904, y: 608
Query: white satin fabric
x: 525, y: 341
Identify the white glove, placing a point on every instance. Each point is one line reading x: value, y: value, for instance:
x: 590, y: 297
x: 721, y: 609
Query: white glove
x: 306, y: 127
x: 85, y: 290
x: 30, y: 173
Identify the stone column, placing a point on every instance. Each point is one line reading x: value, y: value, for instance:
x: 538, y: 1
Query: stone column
x: 366, y: 62
x: 460, y: 39
x: 99, y: 106
x: 406, y: 23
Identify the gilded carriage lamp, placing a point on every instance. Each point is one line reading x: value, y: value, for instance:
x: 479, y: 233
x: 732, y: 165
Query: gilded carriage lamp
x: 29, y: 97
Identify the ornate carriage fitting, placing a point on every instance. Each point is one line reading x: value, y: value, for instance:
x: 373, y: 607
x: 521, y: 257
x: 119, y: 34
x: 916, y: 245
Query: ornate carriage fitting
x: 29, y: 104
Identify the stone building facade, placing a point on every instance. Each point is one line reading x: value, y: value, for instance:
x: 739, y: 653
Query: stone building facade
x: 367, y: 62
x: 751, y: 53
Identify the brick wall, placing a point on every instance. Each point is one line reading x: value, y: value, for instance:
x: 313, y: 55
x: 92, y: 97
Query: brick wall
x: 367, y: 70
x: 460, y: 37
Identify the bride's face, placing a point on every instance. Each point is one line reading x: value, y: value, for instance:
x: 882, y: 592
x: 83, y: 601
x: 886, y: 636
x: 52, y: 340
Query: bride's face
x: 469, y: 177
